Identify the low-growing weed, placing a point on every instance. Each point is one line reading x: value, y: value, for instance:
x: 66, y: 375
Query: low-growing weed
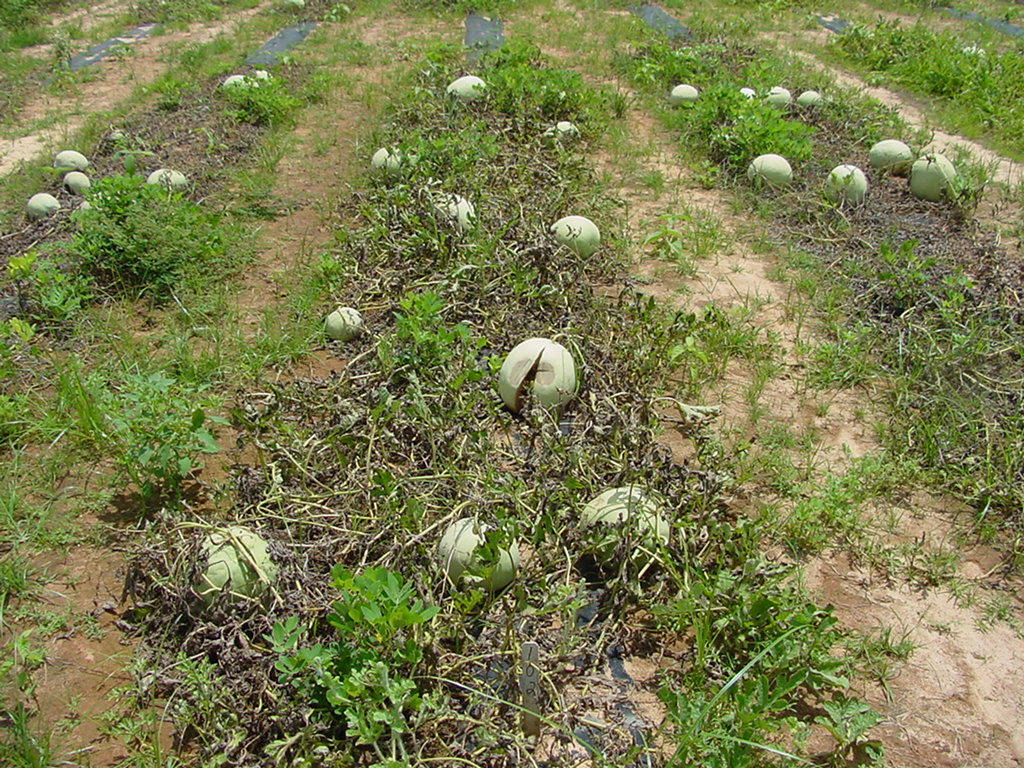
x: 47, y: 293
x: 687, y: 237
x: 141, y: 238
x: 365, y: 679
x: 152, y: 427
x: 262, y: 102
x: 734, y: 130
x: 759, y: 646
x: 981, y: 88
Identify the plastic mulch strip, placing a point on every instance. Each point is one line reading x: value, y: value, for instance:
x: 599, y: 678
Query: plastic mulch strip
x: 659, y: 21
x: 110, y: 47
x: 482, y: 35
x: 269, y: 53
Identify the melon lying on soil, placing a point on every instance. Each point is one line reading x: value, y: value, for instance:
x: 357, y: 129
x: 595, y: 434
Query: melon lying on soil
x: 629, y: 513
x: 848, y: 183
x: 168, y: 178
x: 467, y: 88
x: 70, y: 160
x: 235, y: 563
x: 77, y: 182
x: 41, y: 205
x: 343, y: 324
x: 235, y: 81
x: 540, y: 367
x: 770, y: 168
x: 683, y: 94
x: 457, y: 553
x: 779, y: 97
x: 563, y: 130
x: 459, y: 210
x: 931, y: 177
x: 891, y: 156
x: 577, y: 233
x: 392, y: 160
x: 809, y: 99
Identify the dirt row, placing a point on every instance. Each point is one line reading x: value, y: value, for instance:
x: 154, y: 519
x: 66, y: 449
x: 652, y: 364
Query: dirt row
x: 954, y: 704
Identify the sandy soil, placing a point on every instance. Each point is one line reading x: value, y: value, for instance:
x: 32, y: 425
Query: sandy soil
x: 957, y: 701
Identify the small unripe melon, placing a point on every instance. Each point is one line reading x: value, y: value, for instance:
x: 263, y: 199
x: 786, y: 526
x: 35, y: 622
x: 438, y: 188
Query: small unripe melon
x: 636, y: 513
x: 847, y: 182
x: 168, y: 178
x: 930, y: 177
x: 235, y: 81
x: 237, y: 564
x: 748, y: 92
x: 77, y: 182
x: 466, y: 88
x: 770, y: 168
x: 683, y: 94
x: 392, y: 160
x: 70, y: 160
x: 563, y: 130
x: 294, y: 4
x: 891, y: 156
x: 809, y: 99
x: 779, y: 97
x: 261, y: 74
x: 541, y: 367
x: 343, y: 324
x: 459, y: 210
x: 457, y: 553
x: 577, y: 233
x: 41, y: 205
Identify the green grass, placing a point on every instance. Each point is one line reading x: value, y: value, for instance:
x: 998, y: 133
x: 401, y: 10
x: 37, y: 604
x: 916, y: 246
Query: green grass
x: 364, y: 468
x: 976, y: 89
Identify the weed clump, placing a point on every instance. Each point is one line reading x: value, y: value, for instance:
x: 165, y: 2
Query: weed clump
x: 141, y: 238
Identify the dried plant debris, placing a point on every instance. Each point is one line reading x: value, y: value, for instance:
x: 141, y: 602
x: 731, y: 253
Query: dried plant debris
x: 366, y: 653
